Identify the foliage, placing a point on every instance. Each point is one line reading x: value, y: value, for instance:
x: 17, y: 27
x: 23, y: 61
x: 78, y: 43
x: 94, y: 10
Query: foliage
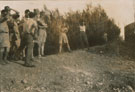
x: 96, y: 20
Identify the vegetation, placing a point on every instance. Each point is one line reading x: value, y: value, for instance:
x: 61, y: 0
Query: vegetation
x: 96, y: 20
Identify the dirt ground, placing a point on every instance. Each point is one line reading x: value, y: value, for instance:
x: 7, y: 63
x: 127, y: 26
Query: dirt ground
x: 78, y: 71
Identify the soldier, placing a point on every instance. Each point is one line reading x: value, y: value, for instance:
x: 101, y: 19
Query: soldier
x: 36, y: 41
x: 27, y: 11
x: 13, y: 28
x: 4, y: 37
x: 41, y: 33
x: 21, y: 51
x: 30, y: 26
x: 83, y: 35
x: 63, y: 37
x: 8, y: 9
x: 15, y: 40
x: 105, y: 37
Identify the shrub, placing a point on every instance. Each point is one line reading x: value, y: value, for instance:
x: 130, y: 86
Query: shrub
x: 97, y: 23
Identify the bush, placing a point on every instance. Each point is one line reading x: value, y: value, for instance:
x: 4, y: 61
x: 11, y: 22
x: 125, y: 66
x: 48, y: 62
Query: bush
x: 97, y: 23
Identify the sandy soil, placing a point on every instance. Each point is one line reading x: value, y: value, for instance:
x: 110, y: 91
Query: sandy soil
x: 78, y: 71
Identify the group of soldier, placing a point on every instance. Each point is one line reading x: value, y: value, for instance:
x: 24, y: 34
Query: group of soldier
x: 17, y: 37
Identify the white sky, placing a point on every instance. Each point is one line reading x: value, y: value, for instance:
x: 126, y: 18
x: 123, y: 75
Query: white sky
x: 120, y: 10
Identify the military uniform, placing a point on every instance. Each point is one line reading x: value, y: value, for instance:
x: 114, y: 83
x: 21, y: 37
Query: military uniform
x: 105, y: 37
x: 21, y: 51
x: 14, y: 39
x: 83, y: 36
x: 42, y: 35
x: 4, y: 35
x: 4, y: 40
x: 17, y: 34
x: 29, y: 31
x: 12, y: 28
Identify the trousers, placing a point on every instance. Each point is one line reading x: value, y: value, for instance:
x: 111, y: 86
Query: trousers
x: 29, y: 49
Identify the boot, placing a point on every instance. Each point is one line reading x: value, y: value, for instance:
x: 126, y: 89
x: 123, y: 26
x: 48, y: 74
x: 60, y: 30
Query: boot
x: 1, y: 59
x: 5, y: 57
x: 26, y: 64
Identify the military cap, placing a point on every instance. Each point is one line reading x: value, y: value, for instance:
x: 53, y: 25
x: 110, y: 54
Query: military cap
x: 31, y: 14
x: 7, y: 8
x: 42, y: 13
x: 27, y: 11
x: 4, y: 12
x: 36, y: 11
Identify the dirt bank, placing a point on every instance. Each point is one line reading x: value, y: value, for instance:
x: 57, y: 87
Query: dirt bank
x: 78, y: 71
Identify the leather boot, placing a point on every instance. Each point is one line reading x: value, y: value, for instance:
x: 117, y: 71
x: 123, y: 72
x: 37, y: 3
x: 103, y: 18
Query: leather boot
x: 5, y: 57
x: 1, y: 58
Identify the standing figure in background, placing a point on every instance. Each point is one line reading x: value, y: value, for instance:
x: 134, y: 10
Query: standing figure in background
x: 83, y: 36
x: 41, y: 32
x: 4, y: 37
x: 63, y: 37
x: 105, y: 37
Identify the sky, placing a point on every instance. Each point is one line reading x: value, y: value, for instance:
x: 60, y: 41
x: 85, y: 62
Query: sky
x: 122, y: 11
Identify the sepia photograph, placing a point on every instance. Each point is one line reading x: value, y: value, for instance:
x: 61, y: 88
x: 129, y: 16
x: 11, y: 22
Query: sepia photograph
x: 67, y: 45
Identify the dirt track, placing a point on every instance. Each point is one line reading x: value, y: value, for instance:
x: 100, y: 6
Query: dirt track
x: 78, y: 71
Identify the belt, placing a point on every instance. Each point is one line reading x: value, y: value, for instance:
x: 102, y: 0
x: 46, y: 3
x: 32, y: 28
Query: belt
x: 42, y: 28
x: 82, y: 31
x: 3, y: 32
x: 27, y: 33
